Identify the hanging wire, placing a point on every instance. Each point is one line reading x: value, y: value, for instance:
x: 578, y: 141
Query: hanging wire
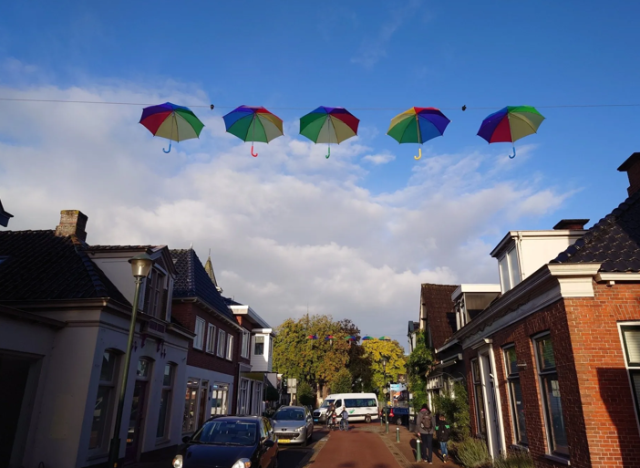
x: 374, y: 109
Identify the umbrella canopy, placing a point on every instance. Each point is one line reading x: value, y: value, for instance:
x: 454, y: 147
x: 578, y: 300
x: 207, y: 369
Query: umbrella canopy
x: 329, y: 125
x: 367, y: 337
x: 384, y: 338
x: 510, y: 124
x: 417, y: 125
x: 176, y: 123
x: 351, y: 338
x: 312, y: 337
x: 328, y: 337
x: 253, y: 124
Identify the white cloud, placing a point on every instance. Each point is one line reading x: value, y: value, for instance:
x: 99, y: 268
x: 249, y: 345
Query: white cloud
x: 380, y: 158
x: 287, y: 230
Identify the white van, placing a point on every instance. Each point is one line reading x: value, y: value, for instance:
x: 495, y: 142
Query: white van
x: 360, y: 406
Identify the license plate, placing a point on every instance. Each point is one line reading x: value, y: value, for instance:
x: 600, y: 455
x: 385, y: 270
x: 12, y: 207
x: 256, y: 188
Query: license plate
x: 284, y: 441
x: 315, y: 420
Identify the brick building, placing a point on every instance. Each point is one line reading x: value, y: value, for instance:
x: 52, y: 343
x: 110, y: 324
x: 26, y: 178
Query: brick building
x: 553, y: 364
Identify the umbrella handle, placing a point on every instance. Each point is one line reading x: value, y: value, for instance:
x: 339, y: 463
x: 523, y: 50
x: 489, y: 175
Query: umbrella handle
x: 169, y: 150
x: 511, y: 156
x: 255, y: 155
x: 419, y: 154
x: 328, y: 152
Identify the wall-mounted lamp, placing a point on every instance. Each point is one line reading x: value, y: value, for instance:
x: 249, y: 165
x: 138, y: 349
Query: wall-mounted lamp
x: 522, y: 365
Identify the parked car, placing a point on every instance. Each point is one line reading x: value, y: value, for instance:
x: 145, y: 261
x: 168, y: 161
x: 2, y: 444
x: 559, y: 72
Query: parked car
x: 293, y: 425
x: 230, y: 442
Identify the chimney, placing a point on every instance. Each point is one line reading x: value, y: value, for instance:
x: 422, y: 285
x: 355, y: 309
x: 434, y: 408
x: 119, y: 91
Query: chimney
x: 72, y: 223
x: 571, y: 224
x: 632, y: 167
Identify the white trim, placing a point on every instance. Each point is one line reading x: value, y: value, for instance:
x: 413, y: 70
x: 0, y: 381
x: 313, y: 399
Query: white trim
x: 576, y: 287
x: 634, y: 323
x: 211, y: 333
x: 498, y: 402
x: 198, y: 340
x: 546, y: 234
x: 474, y: 288
x: 617, y: 277
x: 573, y: 269
x: 483, y: 342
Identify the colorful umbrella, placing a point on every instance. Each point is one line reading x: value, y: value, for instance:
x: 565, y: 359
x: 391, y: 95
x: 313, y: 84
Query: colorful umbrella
x: 417, y: 125
x: 329, y: 125
x: 312, y: 337
x: 351, y: 338
x: 176, y: 123
x: 384, y: 338
x: 510, y: 124
x: 253, y: 124
x: 367, y: 337
x: 328, y: 337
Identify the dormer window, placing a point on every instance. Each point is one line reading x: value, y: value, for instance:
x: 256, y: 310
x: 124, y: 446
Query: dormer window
x: 461, y: 314
x: 156, y: 294
x: 509, y: 270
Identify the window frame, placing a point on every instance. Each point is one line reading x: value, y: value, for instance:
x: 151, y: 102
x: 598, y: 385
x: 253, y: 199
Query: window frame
x: 211, y: 338
x: 166, y: 392
x: 246, y: 344
x: 505, y: 262
x: 222, y: 340
x: 255, y: 344
x: 632, y: 368
x: 156, y: 293
x: 112, y: 384
x: 545, y: 374
x: 476, y: 379
x: 511, y: 378
x: 198, y: 340
x: 230, y: 348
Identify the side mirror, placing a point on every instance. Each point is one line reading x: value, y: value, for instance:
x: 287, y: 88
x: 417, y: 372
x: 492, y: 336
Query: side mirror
x: 186, y: 439
x: 269, y: 443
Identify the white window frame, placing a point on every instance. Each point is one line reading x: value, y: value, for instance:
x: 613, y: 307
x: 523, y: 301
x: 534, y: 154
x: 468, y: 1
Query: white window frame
x: 510, y: 378
x: 246, y: 341
x: 230, y: 349
x: 543, y: 397
x: 631, y: 368
x: 255, y: 342
x: 198, y: 340
x: 211, y: 338
x: 222, y: 341
x: 507, y: 280
x: 243, y: 393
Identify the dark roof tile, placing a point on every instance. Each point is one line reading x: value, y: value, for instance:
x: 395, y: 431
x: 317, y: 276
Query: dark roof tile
x: 439, y: 306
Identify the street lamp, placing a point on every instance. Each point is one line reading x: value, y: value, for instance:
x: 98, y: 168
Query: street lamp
x: 384, y: 369
x: 140, y: 268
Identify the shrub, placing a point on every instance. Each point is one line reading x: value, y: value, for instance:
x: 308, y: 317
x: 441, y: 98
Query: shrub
x: 515, y: 459
x: 472, y: 453
x: 456, y: 410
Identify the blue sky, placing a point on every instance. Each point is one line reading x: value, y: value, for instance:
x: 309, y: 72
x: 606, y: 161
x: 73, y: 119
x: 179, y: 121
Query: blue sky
x: 374, y: 58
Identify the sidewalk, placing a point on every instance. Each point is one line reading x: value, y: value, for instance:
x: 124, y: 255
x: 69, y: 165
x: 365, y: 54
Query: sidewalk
x: 405, y: 451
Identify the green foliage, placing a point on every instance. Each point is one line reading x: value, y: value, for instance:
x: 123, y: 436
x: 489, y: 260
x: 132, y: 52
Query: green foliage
x: 456, y: 410
x: 419, y: 363
x: 305, y: 394
x: 472, y: 453
x: 341, y: 383
x: 515, y: 459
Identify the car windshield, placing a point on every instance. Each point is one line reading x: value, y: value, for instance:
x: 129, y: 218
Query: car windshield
x: 326, y: 403
x: 289, y: 414
x: 228, y: 432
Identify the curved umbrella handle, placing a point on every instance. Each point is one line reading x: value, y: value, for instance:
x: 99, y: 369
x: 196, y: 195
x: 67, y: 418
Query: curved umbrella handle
x: 169, y: 150
x: 255, y: 155
x: 328, y: 152
x: 419, y: 154
x: 511, y: 156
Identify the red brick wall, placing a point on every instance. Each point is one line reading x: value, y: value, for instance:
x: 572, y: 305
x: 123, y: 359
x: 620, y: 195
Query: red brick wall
x: 603, y: 382
x: 553, y: 319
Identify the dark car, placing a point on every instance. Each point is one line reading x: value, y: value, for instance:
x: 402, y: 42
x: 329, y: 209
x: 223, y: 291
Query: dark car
x: 230, y: 442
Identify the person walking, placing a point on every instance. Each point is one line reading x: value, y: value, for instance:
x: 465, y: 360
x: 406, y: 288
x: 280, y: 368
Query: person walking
x: 443, y: 430
x: 331, y: 416
x: 344, y: 422
x: 425, y: 425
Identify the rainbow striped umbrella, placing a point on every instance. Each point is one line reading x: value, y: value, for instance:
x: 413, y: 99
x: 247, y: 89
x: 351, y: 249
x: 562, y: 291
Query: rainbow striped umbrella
x: 312, y: 337
x: 417, y: 125
x: 351, y: 338
x: 384, y: 338
x: 510, y: 124
x: 328, y: 337
x: 367, y: 337
x: 253, y: 124
x: 329, y: 125
x: 176, y: 123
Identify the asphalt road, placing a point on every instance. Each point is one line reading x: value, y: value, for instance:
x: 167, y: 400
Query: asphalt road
x: 290, y: 456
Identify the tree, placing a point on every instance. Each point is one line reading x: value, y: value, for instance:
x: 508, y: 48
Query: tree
x: 305, y: 394
x: 456, y: 409
x: 419, y: 363
x: 342, y: 382
x: 374, y: 350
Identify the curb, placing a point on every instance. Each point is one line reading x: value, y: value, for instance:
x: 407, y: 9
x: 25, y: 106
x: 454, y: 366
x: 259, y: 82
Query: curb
x: 397, y: 454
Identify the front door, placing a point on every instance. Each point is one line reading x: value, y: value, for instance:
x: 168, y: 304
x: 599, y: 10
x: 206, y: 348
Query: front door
x: 136, y: 420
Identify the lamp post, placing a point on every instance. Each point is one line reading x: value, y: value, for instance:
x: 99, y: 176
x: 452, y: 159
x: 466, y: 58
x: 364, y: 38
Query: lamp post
x: 140, y: 267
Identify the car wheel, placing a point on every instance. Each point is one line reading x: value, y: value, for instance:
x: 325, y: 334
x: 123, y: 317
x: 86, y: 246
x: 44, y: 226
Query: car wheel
x: 367, y: 419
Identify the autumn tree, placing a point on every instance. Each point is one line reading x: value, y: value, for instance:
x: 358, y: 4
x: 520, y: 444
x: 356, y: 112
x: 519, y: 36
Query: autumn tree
x: 375, y: 350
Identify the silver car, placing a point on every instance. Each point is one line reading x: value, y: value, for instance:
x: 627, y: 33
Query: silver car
x: 293, y: 425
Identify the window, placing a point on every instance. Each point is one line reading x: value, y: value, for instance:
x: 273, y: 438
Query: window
x: 509, y: 270
x: 190, y: 406
x: 221, y: 343
x: 479, y: 399
x: 243, y: 393
x: 156, y: 294
x: 230, y: 347
x: 198, y: 340
x: 211, y: 338
x: 245, y: 344
x: 257, y: 399
x: 103, y: 407
x: 219, y: 398
x: 550, y: 388
x: 165, y: 402
x: 461, y: 314
x: 515, y: 396
x: 258, y: 349
x: 631, y: 341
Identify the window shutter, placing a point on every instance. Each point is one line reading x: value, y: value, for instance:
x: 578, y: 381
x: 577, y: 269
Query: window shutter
x: 632, y: 343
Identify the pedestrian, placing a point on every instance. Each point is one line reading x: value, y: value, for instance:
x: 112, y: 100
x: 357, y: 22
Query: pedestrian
x: 425, y: 425
x: 344, y: 422
x: 443, y: 429
x: 331, y: 416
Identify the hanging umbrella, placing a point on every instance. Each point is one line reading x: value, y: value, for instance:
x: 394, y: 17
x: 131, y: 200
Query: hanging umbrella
x: 510, y: 124
x: 329, y: 125
x: 328, y: 337
x: 417, y: 125
x: 312, y: 337
x: 384, y: 338
x: 367, y: 337
x: 175, y: 123
x: 253, y: 124
x: 351, y: 338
